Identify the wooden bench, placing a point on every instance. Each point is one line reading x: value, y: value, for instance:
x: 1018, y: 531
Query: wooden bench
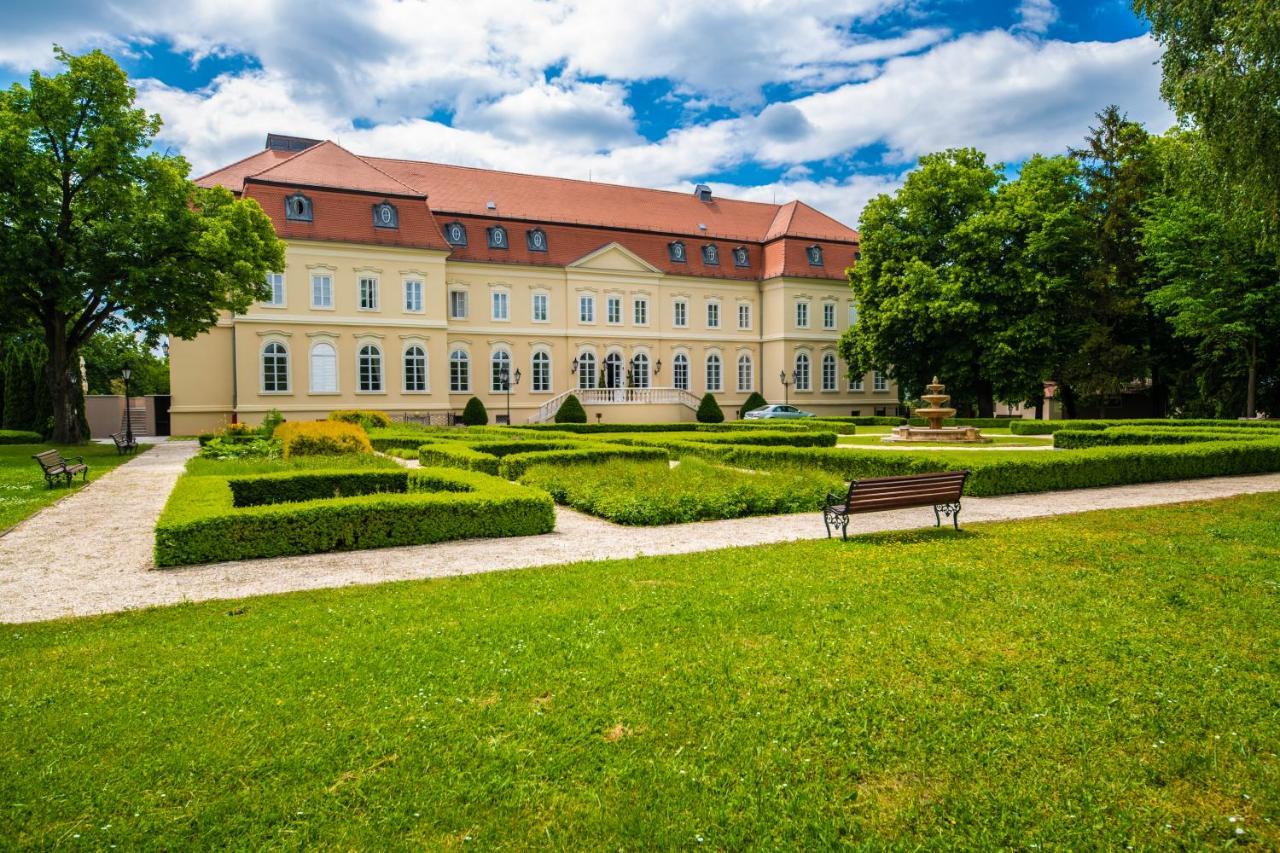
x: 55, y: 465
x: 123, y: 442
x: 940, y: 491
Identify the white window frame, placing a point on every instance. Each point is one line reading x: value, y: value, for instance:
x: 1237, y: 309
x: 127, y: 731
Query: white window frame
x: 828, y: 315
x: 714, y: 359
x: 503, y: 355
x: 879, y: 382
x: 459, y: 371
x: 459, y: 296
x: 275, y: 280
x: 542, y: 300
x: 680, y: 313
x: 829, y: 361
x: 540, y: 385
x: 587, y: 378
x: 713, y: 312
x: 640, y: 310
x: 262, y: 369
x: 327, y: 291
x: 680, y: 364
x: 613, y: 310
x: 375, y: 359
x: 802, y: 314
x: 415, y: 284
x: 500, y: 306
x: 853, y: 315
x: 367, y: 293
x: 426, y: 369
x: 744, y: 315
x: 311, y: 368
x: 745, y: 360
x: 587, y: 308
x: 856, y: 384
x: 806, y: 375
x: 638, y: 379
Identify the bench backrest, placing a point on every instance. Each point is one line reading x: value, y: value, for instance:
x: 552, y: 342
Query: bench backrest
x: 877, y: 493
x: 50, y: 459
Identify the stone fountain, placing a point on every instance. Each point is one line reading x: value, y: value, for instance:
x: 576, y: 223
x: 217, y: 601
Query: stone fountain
x: 935, y: 413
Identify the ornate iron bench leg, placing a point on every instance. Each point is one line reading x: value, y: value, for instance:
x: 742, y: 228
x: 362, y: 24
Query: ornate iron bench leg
x: 830, y: 517
x: 950, y: 510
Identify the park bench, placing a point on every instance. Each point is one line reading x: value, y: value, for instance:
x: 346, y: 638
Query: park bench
x: 55, y: 465
x: 874, y: 494
x: 124, y: 442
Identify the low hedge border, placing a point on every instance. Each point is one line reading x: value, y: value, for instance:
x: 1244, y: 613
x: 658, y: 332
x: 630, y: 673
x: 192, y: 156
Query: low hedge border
x: 20, y: 436
x: 200, y: 524
x: 1031, y: 472
x: 759, y: 438
x: 513, y: 467
x: 1069, y: 439
x: 1030, y: 427
x: 298, y: 486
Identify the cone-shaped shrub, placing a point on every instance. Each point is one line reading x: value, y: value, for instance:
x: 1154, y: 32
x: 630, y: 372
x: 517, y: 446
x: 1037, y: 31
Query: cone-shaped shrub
x: 571, y: 411
x: 709, y: 410
x: 755, y: 401
x: 474, y: 414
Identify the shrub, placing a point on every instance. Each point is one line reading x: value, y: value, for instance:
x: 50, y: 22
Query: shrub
x: 455, y: 454
x: 474, y: 413
x: 19, y: 436
x: 754, y: 401
x: 241, y: 447
x: 367, y: 418
x: 200, y: 524
x: 1070, y: 439
x: 297, y: 486
x: 648, y: 493
x: 513, y: 466
x: 861, y: 420
x: 571, y: 411
x: 1027, y: 427
x: 709, y: 410
x: 322, y: 438
x: 793, y: 438
x: 270, y: 421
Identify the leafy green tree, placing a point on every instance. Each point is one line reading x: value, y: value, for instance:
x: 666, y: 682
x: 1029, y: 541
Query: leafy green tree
x: 101, y: 231
x: 106, y: 354
x: 709, y: 410
x: 1221, y: 69
x: 1204, y: 244
x: 474, y: 413
x: 21, y: 390
x: 571, y: 411
x: 754, y: 401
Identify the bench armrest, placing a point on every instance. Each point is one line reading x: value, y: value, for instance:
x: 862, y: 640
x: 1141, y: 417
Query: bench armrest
x: 79, y: 459
x: 832, y: 500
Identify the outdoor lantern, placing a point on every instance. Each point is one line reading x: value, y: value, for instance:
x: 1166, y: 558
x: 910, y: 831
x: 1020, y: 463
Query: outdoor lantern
x: 126, y: 372
x: 657, y: 367
x: 573, y: 365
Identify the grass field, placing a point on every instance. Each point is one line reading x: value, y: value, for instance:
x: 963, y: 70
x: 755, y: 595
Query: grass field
x: 1085, y: 682
x: 22, y: 486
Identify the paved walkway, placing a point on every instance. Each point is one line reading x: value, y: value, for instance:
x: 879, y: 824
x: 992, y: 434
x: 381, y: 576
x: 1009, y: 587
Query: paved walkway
x: 106, y: 566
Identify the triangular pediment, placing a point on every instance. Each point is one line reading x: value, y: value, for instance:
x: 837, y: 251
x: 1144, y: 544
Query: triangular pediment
x: 614, y: 257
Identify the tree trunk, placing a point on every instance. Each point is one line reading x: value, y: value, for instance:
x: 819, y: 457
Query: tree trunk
x: 1037, y: 403
x: 1251, y: 393
x: 66, y: 420
x: 986, y: 400
x: 1068, y: 395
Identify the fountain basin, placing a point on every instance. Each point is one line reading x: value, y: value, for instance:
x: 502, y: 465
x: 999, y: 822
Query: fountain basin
x: 959, y: 434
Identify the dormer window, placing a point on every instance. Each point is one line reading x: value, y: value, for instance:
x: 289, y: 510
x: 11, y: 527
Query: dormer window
x: 537, y: 240
x: 385, y: 215
x: 815, y: 255
x: 703, y: 192
x: 711, y: 255
x: 741, y: 258
x: 675, y: 251
x: 298, y: 208
x: 497, y: 237
x: 456, y: 234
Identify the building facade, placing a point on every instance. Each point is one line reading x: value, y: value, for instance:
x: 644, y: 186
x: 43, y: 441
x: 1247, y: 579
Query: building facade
x: 410, y: 287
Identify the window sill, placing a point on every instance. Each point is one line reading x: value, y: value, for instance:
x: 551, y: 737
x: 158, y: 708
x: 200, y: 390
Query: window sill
x: 272, y: 305
x: 369, y: 310
x: 322, y: 308
x: 324, y: 393
x: 416, y: 393
x: 371, y: 393
x: 275, y: 393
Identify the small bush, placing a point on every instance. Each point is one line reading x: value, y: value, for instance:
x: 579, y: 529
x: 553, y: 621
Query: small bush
x: 19, y: 436
x: 270, y: 421
x: 474, y: 414
x: 1028, y: 427
x: 220, y: 447
x: 322, y: 438
x: 709, y: 410
x: 367, y: 418
x: 755, y: 401
x: 513, y: 466
x: 571, y: 411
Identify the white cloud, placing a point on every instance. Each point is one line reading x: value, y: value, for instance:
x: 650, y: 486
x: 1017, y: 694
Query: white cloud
x: 1036, y: 16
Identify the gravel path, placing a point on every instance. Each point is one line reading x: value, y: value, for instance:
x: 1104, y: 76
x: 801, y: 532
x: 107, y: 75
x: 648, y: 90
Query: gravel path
x: 106, y: 565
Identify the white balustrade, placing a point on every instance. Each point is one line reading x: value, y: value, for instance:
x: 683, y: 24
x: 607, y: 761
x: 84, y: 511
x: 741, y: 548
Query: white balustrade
x: 614, y: 397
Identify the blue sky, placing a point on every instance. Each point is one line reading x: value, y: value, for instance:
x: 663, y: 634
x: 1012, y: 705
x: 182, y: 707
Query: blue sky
x: 830, y: 102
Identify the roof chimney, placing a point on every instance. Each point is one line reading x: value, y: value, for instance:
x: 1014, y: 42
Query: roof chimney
x: 281, y: 142
x: 703, y: 192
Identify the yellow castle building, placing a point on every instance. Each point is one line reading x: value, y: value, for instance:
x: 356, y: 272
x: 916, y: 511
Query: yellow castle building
x: 410, y: 287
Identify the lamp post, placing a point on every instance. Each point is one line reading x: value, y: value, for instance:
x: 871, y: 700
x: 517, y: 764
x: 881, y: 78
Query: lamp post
x: 126, y: 372
x: 782, y: 377
x: 506, y: 378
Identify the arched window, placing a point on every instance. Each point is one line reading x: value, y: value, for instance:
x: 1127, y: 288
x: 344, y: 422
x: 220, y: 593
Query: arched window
x: 369, y: 368
x: 324, y: 368
x: 541, y: 371
x: 713, y: 372
x: 275, y: 368
x: 613, y: 370
x: 415, y: 368
x: 640, y: 371
x: 680, y: 371
x: 829, y: 372
x: 586, y: 370
x: 802, y: 371
x: 746, y: 375
x: 459, y: 371
x: 499, y: 370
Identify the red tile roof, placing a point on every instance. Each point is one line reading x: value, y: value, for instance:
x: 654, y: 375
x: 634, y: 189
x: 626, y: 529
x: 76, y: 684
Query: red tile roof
x: 572, y: 212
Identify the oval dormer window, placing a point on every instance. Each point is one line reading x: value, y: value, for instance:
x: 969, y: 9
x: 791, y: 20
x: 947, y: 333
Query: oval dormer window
x: 385, y: 215
x: 740, y: 258
x: 298, y: 208
x: 711, y: 255
x: 497, y: 237
x: 537, y: 240
x: 456, y: 234
x: 675, y: 251
x: 815, y: 256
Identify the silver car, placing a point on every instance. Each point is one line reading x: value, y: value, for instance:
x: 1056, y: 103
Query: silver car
x: 776, y: 411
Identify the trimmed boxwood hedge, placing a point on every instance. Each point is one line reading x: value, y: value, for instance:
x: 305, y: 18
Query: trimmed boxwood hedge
x: 200, y: 524
x: 513, y: 467
x: 1029, y: 427
x: 1030, y: 472
x: 322, y: 438
x: 297, y: 486
x: 792, y: 438
x: 19, y: 436
x: 1069, y: 439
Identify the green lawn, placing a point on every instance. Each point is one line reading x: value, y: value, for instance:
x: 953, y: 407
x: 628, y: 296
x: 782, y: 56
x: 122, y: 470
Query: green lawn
x: 22, y: 486
x: 1085, y: 682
